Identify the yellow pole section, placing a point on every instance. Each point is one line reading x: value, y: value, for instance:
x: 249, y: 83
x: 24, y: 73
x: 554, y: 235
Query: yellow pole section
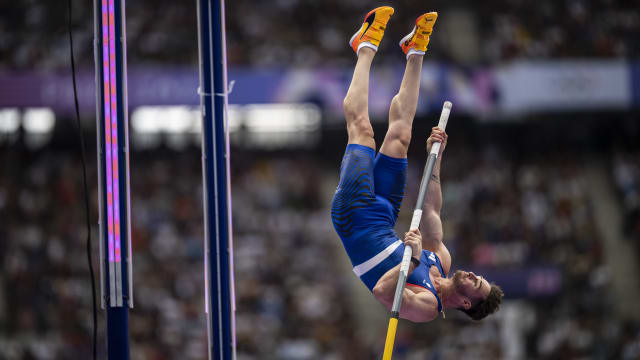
x: 391, y: 337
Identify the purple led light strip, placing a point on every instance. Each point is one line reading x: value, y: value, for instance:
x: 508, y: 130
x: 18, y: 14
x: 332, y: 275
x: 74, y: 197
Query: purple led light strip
x: 111, y: 130
x: 114, y: 130
x: 107, y: 125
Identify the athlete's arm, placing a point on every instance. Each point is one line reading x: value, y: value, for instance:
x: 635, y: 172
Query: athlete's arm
x: 431, y: 224
x: 416, y: 306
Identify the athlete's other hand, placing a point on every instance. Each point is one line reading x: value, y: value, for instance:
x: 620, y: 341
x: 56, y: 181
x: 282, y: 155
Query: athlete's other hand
x: 414, y: 239
x: 437, y: 135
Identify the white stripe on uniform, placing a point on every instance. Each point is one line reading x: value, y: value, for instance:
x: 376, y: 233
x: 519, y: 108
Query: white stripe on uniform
x: 371, y: 263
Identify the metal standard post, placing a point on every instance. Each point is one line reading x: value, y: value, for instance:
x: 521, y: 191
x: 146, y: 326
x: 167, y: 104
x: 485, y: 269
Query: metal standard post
x: 113, y: 170
x: 215, y: 163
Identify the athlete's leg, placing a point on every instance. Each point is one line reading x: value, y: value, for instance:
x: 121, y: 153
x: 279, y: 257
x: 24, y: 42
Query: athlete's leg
x: 390, y: 168
x: 355, y: 192
x: 404, y: 104
x: 390, y: 175
x: 402, y: 111
x: 356, y: 102
x: 365, y: 43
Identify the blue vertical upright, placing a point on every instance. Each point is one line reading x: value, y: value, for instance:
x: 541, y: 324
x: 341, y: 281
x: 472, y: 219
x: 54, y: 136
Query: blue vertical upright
x: 215, y: 166
x: 113, y: 173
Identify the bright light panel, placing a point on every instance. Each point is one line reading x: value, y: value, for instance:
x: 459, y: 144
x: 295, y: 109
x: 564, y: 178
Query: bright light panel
x: 265, y: 125
x: 38, y: 120
x: 165, y: 119
x: 9, y: 120
x: 177, y: 119
x: 234, y: 120
x: 270, y: 118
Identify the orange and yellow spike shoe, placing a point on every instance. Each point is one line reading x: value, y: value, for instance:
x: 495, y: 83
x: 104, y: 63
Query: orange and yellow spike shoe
x: 416, y: 42
x: 372, y: 29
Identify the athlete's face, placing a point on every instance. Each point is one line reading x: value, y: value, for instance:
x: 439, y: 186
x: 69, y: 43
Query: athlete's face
x: 471, y: 285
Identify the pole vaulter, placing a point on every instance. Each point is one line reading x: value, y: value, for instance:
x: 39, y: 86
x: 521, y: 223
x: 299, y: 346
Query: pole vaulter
x: 371, y: 188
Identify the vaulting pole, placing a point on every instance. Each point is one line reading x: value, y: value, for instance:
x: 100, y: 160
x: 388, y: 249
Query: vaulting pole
x: 415, y: 223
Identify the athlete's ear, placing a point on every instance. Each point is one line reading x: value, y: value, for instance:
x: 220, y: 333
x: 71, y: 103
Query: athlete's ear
x: 466, y: 304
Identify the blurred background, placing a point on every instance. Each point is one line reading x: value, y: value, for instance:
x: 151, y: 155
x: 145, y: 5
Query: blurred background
x: 541, y: 177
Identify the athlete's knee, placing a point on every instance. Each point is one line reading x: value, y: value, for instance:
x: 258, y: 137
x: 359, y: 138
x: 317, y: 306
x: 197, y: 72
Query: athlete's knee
x: 353, y: 108
x: 400, y: 111
x: 399, y: 131
x: 359, y: 126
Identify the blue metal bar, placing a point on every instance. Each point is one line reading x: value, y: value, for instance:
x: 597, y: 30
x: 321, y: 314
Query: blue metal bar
x: 215, y: 175
x: 220, y: 93
x: 118, y: 333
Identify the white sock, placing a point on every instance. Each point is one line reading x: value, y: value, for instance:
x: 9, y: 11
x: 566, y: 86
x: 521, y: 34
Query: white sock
x: 414, y: 51
x: 367, y: 44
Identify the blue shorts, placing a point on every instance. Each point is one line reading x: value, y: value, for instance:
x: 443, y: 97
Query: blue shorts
x: 367, y: 201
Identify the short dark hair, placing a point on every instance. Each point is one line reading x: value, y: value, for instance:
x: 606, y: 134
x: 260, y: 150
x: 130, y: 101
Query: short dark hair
x: 482, y: 308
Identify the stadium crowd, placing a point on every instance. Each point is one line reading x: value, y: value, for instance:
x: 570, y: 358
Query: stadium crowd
x: 501, y: 211
x: 33, y: 33
x: 286, y: 286
x: 498, y: 212
x: 510, y: 214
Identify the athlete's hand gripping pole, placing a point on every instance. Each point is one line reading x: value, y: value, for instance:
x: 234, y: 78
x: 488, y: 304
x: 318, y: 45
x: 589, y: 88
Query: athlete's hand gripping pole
x: 415, y: 222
